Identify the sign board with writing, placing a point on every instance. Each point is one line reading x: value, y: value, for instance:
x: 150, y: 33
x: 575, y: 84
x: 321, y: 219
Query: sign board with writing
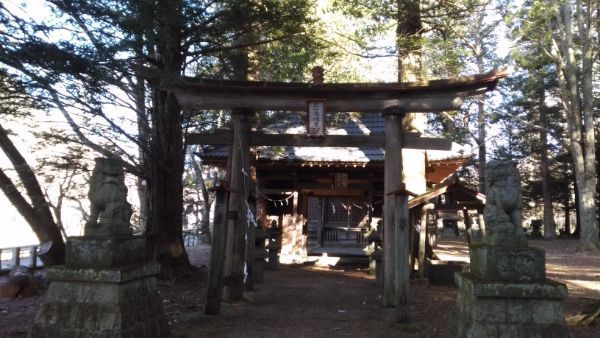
x: 316, y: 117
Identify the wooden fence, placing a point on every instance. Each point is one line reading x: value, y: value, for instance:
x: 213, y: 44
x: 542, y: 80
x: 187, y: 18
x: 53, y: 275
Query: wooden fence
x: 20, y: 255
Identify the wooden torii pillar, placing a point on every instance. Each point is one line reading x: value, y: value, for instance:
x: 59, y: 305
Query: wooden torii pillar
x: 235, y: 257
x: 397, y: 230
x: 393, y: 180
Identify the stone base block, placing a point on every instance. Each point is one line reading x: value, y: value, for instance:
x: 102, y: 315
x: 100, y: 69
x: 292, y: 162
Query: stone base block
x: 500, y: 309
x: 104, y: 252
x: 101, y: 303
x: 519, y: 264
x: 442, y: 272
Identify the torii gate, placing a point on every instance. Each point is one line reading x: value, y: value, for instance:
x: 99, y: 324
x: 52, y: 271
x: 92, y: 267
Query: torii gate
x: 394, y: 100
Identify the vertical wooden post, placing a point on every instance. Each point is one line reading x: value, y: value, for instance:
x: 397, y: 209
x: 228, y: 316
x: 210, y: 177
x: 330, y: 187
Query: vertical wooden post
x: 423, y: 238
x: 261, y: 207
x: 236, y: 241
x: 468, y: 231
x: 322, y: 220
x: 370, y: 207
x: 402, y: 253
x: 214, y: 291
x: 295, y: 204
x: 481, y: 222
x: 250, y: 249
x: 17, y: 255
x: 34, y: 257
x: 392, y: 182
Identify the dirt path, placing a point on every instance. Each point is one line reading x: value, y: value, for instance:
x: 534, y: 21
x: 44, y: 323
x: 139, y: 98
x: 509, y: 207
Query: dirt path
x: 303, y: 301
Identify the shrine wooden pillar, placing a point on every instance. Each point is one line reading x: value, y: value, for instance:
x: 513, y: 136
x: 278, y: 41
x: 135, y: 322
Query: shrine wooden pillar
x: 250, y: 227
x: 392, y: 182
x: 423, y: 237
x: 214, y: 290
x: 261, y: 203
x: 240, y: 185
x: 402, y: 238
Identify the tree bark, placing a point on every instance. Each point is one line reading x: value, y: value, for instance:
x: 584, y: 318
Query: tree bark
x: 478, y: 52
x: 408, y: 43
x: 139, y: 94
x: 481, y: 144
x: 549, y: 225
x: 167, y: 165
x: 541, y: 116
x: 37, y: 213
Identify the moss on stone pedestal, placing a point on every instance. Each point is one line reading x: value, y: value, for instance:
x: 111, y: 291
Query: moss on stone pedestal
x: 504, y: 309
x: 116, y: 301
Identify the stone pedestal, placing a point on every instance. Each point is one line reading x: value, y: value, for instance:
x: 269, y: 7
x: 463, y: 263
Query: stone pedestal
x: 106, y: 289
x: 503, y: 309
x: 507, y: 263
x: 104, y: 252
x: 506, y: 294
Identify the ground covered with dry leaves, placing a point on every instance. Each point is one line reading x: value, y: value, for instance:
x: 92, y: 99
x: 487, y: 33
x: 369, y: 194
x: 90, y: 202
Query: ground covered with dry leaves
x: 304, y: 300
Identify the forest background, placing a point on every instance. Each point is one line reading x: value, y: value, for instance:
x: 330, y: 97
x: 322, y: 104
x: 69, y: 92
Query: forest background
x: 81, y: 79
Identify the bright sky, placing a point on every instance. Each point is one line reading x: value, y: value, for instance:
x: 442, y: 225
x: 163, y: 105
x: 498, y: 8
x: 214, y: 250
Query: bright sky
x: 15, y: 231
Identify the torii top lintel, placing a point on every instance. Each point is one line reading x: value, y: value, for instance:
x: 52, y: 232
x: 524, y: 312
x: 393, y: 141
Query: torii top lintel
x: 423, y: 96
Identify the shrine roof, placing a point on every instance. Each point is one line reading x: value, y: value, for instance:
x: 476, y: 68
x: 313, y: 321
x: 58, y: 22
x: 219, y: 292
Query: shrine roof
x: 337, y: 124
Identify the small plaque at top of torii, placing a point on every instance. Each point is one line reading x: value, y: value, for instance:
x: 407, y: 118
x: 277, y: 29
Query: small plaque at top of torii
x: 316, y: 118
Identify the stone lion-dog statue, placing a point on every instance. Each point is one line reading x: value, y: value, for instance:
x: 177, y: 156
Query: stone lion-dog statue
x: 504, y: 203
x: 109, y: 210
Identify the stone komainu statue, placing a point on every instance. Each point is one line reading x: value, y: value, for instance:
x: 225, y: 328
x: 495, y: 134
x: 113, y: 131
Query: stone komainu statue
x: 109, y: 210
x: 504, y: 202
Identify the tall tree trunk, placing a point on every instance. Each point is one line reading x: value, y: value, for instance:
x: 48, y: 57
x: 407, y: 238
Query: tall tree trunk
x: 577, y: 230
x: 143, y: 135
x: 578, y: 104
x: 481, y: 131
x: 37, y: 213
x: 567, y: 199
x: 481, y: 144
x: 542, y: 119
x: 590, y: 234
x: 408, y: 44
x: 166, y: 167
x: 549, y: 225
